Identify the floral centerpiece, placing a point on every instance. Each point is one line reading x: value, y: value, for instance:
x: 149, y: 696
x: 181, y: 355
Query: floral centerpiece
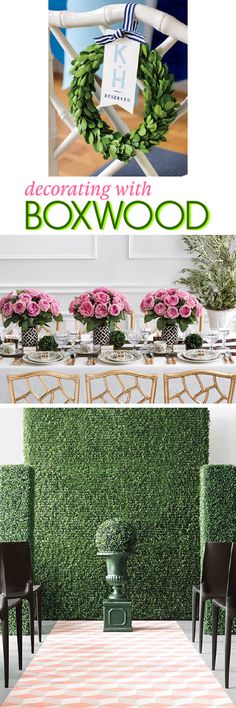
x: 29, y: 309
x: 172, y: 308
x: 100, y: 310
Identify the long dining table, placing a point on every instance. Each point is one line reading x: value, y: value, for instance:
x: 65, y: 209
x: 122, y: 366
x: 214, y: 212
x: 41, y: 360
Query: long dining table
x: 158, y: 366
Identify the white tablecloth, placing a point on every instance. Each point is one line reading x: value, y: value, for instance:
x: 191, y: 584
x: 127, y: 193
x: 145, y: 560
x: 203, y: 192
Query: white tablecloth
x: 81, y: 368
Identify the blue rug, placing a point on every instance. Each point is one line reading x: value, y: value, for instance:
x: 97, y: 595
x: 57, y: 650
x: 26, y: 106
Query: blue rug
x: 166, y: 162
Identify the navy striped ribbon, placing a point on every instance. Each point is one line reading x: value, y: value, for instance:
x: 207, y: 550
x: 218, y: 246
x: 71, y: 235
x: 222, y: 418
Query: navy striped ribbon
x: 128, y: 30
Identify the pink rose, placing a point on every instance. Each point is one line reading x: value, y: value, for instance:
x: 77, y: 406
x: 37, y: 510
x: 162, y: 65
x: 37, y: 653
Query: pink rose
x: 115, y: 309
x: 44, y: 304
x: 7, y: 309
x: 33, y: 293
x: 191, y: 301
x: 126, y: 306
x: 72, y: 307
x: 172, y: 313
x: 118, y: 300
x: 55, y: 309
x: 25, y: 297
x: 105, y: 290
x: 183, y: 295
x: 101, y: 310
x: 101, y: 296
x: 185, y: 311
x: 160, y: 294
x: 19, y: 307
x: 199, y: 309
x: 147, y: 302
x: 86, y: 308
x: 33, y: 309
x: 160, y: 309
x: 2, y: 301
x: 84, y: 297
x: 171, y: 300
x: 171, y: 291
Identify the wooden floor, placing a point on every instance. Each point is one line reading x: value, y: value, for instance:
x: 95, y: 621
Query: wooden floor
x: 80, y: 159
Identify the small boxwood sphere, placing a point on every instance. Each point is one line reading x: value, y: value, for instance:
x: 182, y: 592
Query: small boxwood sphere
x: 117, y: 338
x: 116, y: 535
x: 47, y: 344
x: 193, y: 341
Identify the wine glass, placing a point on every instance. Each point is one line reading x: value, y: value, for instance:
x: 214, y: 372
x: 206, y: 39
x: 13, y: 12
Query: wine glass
x: 62, y: 338
x: 145, y: 334
x: 211, y: 336
x: 133, y: 337
x: 224, y: 334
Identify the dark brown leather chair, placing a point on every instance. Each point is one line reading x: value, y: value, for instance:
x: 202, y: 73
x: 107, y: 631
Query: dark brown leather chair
x: 16, y: 576
x: 213, y: 582
x: 226, y: 603
x: 5, y: 607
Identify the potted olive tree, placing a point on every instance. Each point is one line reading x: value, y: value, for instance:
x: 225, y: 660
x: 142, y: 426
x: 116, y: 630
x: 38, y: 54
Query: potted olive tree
x: 115, y: 541
x: 212, y: 277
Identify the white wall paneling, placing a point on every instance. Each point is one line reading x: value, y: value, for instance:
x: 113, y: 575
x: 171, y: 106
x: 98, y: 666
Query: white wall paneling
x: 164, y: 247
x: 53, y: 247
x: 67, y: 265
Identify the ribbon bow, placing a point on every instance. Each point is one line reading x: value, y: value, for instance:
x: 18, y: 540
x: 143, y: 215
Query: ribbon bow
x: 128, y: 30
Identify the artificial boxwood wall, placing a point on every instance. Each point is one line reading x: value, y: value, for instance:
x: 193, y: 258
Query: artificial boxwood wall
x: 93, y: 464
x: 217, y: 512
x: 17, y: 513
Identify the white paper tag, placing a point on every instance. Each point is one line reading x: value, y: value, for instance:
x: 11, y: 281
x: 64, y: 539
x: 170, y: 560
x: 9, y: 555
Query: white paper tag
x: 120, y: 69
x: 106, y: 348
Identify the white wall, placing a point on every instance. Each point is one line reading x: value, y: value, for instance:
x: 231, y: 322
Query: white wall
x: 133, y: 264
x: 222, y: 435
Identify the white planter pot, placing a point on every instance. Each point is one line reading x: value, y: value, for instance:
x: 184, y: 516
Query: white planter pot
x: 220, y: 319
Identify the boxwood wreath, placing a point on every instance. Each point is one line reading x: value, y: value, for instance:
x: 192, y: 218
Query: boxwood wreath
x: 159, y: 104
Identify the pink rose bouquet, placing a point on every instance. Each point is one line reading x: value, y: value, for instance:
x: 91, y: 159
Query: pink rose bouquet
x: 29, y: 308
x: 100, y: 306
x: 171, y: 306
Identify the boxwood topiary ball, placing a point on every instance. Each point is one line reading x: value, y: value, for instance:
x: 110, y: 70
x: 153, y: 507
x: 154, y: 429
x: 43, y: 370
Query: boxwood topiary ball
x: 116, y: 535
x: 117, y: 338
x: 193, y: 341
x: 47, y: 344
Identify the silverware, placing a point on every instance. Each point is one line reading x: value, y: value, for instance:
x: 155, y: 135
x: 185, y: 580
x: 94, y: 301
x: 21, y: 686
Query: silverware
x: 71, y: 360
x: 18, y: 361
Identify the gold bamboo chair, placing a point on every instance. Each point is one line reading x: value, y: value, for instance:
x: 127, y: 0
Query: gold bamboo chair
x: 46, y: 328
x: 193, y: 389
x: 129, y: 321
x: 49, y: 383
x: 128, y: 383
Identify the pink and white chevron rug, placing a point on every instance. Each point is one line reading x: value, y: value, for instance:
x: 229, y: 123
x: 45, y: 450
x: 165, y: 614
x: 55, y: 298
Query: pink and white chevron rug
x: 155, y: 666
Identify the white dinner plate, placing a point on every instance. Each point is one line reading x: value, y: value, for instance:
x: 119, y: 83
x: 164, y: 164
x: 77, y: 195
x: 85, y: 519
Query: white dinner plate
x: 54, y: 358
x: 201, y: 355
x: 199, y: 360
x: 133, y: 356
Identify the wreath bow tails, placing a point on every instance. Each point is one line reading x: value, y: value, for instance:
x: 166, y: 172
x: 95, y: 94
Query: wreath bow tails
x: 160, y: 105
x: 128, y: 30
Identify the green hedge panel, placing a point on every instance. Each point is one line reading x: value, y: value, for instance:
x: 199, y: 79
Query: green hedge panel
x: 139, y: 464
x: 217, y: 512
x: 17, y: 512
